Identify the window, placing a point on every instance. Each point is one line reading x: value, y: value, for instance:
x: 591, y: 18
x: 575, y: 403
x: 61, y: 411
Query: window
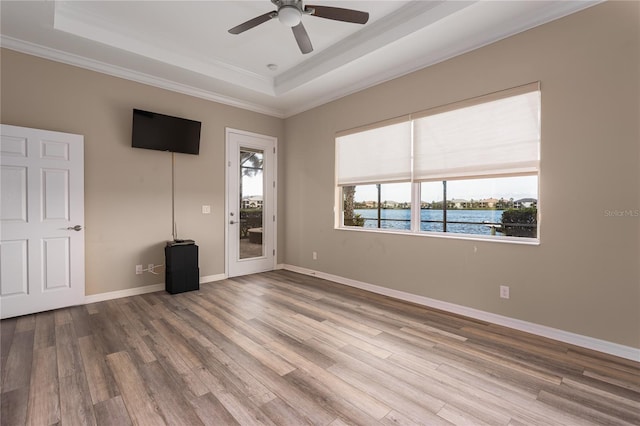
x: 469, y: 168
x: 481, y: 206
x: 378, y: 206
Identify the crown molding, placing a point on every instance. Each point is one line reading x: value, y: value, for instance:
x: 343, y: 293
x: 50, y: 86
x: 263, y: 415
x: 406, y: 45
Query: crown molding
x: 405, y: 21
x: 72, y: 18
x: 297, y: 90
x: 127, y: 74
x: 550, y: 13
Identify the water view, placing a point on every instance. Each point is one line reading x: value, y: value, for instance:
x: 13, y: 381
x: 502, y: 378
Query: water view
x: 431, y: 220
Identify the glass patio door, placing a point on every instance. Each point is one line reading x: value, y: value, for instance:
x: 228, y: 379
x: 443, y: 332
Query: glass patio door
x: 250, y: 203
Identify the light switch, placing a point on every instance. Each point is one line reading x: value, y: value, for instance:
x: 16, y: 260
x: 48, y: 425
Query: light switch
x: 206, y: 209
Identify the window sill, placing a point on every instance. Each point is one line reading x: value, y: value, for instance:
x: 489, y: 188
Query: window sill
x: 449, y: 236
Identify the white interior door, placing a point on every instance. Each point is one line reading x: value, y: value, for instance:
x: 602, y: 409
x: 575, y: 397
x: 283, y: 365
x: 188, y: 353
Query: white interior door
x: 251, y: 203
x: 42, y: 219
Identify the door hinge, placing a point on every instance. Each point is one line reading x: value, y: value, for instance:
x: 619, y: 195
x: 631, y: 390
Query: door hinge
x: 274, y: 183
x: 274, y: 150
x: 274, y: 252
x: 229, y: 163
x: 274, y: 217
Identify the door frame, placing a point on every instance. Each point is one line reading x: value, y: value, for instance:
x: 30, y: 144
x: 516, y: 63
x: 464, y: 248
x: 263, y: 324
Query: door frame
x: 227, y: 235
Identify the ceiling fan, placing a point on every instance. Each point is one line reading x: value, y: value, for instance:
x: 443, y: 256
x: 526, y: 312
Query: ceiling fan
x: 290, y: 13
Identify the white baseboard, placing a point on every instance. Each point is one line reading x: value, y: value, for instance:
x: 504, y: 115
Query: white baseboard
x: 101, y: 297
x: 212, y: 278
x: 110, y: 295
x: 607, y: 347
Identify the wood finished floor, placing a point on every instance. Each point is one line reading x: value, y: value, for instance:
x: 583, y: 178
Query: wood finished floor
x: 285, y: 349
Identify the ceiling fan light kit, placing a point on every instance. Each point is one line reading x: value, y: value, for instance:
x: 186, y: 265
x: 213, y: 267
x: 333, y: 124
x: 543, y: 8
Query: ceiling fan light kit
x: 290, y: 12
x: 289, y: 16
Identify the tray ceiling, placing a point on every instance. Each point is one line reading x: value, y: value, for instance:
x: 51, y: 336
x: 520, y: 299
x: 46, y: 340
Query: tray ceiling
x: 184, y: 45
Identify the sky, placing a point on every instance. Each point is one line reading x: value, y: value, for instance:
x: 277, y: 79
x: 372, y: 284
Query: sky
x: 252, y: 185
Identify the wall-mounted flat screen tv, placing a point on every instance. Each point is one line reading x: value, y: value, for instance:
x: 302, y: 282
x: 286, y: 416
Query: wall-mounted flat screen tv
x: 165, y: 133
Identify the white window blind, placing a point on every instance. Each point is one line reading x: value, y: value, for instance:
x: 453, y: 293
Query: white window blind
x: 378, y: 155
x: 494, y: 138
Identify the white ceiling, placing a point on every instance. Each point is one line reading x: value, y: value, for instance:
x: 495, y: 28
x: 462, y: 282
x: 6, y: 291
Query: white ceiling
x: 184, y: 45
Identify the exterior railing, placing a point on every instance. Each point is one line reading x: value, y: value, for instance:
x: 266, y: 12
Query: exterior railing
x: 529, y: 229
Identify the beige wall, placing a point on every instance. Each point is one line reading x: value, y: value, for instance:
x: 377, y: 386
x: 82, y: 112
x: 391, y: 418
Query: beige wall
x: 584, y: 277
x: 128, y: 191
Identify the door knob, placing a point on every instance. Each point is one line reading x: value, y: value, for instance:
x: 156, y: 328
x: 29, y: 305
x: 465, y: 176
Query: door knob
x: 75, y: 228
x: 231, y: 222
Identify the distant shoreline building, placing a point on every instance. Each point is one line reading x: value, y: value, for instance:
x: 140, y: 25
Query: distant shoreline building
x: 252, y: 202
x: 456, y: 204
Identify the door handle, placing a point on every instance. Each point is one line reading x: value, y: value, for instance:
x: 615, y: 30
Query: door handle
x: 75, y: 228
x: 231, y: 222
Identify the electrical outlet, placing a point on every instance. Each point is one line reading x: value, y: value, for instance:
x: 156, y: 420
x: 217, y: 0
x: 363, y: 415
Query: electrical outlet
x: 315, y: 255
x: 504, y: 291
x: 138, y: 269
x: 150, y: 267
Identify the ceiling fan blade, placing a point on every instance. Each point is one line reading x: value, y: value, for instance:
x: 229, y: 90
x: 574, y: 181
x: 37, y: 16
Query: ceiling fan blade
x: 304, y: 43
x: 339, y: 14
x: 253, y: 22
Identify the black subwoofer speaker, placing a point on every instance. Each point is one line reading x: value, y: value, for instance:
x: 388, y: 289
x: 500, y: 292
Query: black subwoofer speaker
x: 181, y: 272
